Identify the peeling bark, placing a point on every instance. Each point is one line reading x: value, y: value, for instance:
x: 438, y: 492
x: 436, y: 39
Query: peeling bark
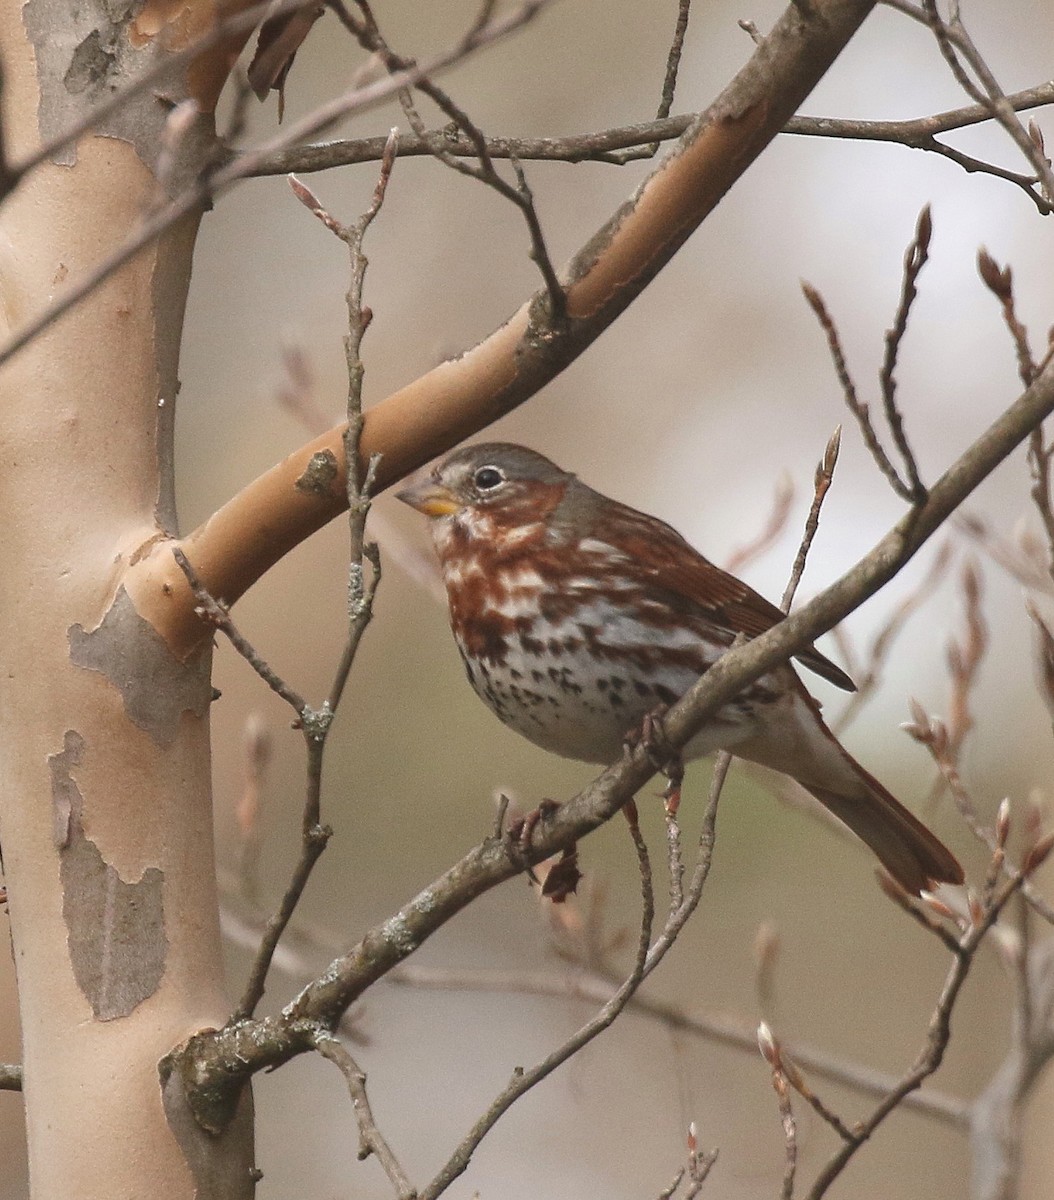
x: 156, y: 688
x: 116, y: 928
x: 105, y: 799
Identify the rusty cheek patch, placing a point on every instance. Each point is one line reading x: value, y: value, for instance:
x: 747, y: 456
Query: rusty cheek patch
x: 115, y: 930
x: 155, y: 686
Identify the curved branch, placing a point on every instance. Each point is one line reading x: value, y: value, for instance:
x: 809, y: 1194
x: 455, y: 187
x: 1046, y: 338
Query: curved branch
x: 214, y: 1065
x: 458, y: 398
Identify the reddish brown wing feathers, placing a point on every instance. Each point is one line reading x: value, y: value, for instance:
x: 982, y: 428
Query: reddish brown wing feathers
x: 675, y: 566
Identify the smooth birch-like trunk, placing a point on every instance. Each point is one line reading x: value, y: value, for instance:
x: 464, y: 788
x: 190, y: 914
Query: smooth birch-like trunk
x: 105, y: 818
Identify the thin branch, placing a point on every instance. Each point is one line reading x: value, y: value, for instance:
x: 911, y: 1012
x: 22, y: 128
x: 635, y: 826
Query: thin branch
x: 369, y: 36
x: 821, y: 485
x: 595, y: 988
x: 694, y: 1174
x: 326, y: 115
x: 780, y: 1085
x: 523, y: 1080
x: 911, y: 488
x: 214, y: 1065
x: 371, y: 1140
x: 601, y: 146
x: 315, y: 836
x: 361, y: 589
x: 989, y: 93
x: 853, y: 402
x: 914, y: 260
x: 932, y: 733
x: 939, y: 1032
x: 669, y: 86
x: 218, y: 615
x: 673, y: 59
x: 999, y: 282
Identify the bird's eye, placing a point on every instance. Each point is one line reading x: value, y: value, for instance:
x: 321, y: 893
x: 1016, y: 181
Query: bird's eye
x: 487, y: 479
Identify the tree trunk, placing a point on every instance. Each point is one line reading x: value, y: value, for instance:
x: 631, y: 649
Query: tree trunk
x: 105, y: 816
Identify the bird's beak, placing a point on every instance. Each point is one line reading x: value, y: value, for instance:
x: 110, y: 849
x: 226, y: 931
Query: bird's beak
x: 432, y: 498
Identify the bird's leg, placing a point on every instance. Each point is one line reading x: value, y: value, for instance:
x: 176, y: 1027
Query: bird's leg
x: 522, y: 828
x: 664, y: 757
x: 562, y: 878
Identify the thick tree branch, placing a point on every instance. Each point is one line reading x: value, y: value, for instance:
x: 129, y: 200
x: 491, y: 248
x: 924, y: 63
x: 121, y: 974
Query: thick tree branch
x: 214, y: 1065
x: 459, y: 397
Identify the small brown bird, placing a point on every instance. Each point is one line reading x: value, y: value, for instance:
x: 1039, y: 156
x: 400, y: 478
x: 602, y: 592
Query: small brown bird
x: 577, y: 616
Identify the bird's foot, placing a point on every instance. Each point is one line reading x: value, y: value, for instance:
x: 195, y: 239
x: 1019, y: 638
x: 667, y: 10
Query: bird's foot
x: 522, y: 829
x: 561, y: 878
x: 664, y: 757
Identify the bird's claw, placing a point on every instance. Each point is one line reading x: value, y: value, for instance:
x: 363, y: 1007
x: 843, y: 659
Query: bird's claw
x: 663, y: 757
x: 562, y: 878
x: 521, y: 830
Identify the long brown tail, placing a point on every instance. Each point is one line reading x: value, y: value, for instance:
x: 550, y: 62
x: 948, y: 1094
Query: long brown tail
x: 795, y: 740
x: 915, y: 858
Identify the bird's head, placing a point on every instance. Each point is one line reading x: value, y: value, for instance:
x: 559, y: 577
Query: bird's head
x: 489, y: 491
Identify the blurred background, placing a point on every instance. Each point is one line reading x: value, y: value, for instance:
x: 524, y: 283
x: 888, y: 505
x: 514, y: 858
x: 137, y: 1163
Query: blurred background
x: 714, y: 387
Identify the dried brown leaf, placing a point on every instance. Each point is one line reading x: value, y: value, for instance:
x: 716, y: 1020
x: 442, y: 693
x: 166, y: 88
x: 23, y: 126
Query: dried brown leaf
x: 276, y: 46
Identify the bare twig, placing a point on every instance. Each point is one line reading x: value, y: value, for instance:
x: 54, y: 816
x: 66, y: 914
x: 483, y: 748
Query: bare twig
x: 911, y: 488
x: 999, y: 281
x: 361, y: 589
x: 989, y: 93
x: 914, y: 260
x: 523, y: 1080
x: 368, y: 33
x: 648, y: 958
x: 604, y: 146
x: 821, y: 485
x: 780, y: 1085
x: 669, y: 86
x: 247, y: 163
x: 216, y: 613
x: 315, y: 836
x: 371, y: 1140
x: 694, y: 1173
x: 673, y: 59
x: 930, y: 1057
x: 932, y: 734
x: 853, y: 402
x: 596, y: 988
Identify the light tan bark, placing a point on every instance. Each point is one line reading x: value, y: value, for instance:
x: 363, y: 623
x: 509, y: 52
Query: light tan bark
x: 105, y: 813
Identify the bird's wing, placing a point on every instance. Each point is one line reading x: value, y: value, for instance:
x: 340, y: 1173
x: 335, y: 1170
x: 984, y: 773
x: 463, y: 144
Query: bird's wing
x: 670, y: 563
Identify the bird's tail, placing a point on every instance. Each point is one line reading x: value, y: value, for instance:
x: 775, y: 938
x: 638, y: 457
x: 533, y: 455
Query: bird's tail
x: 797, y: 742
x: 915, y: 857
